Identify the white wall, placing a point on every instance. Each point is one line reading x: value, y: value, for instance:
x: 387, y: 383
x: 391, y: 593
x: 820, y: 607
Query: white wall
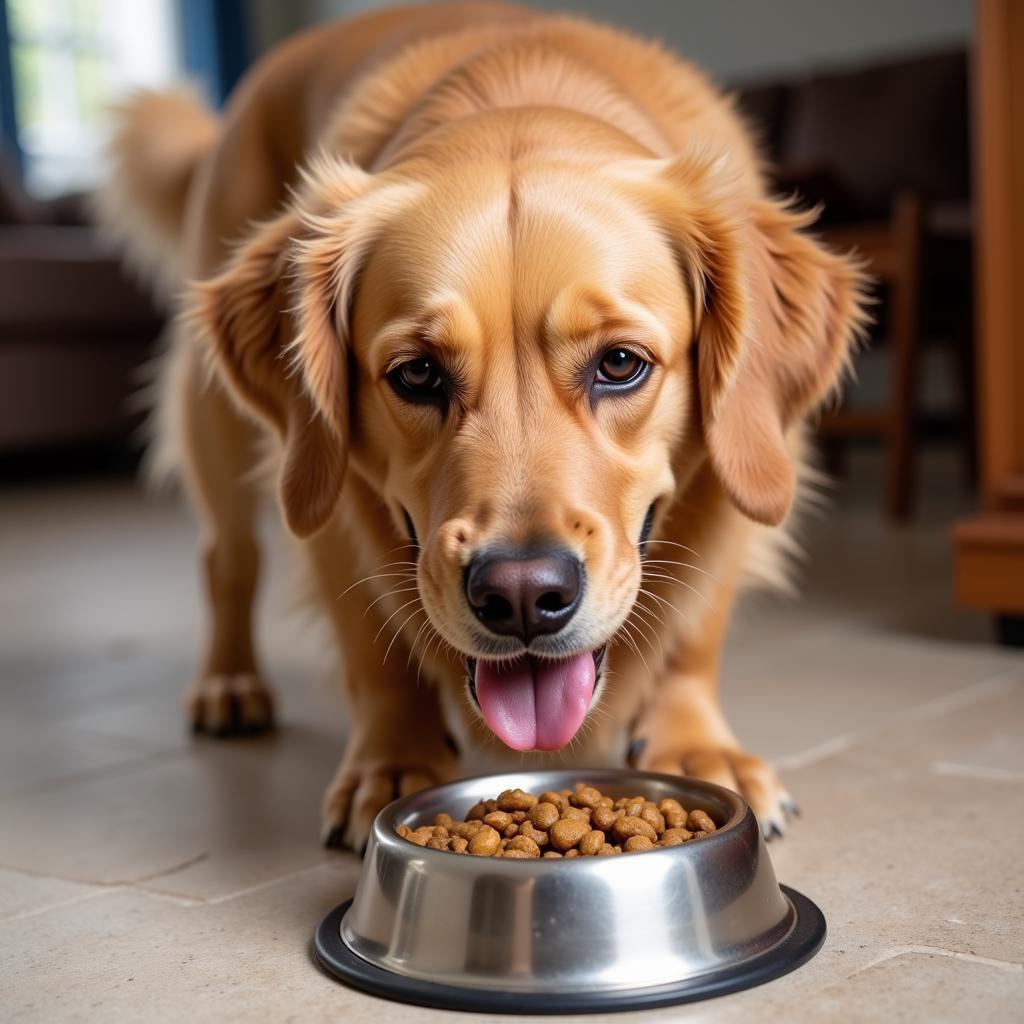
x: 736, y: 40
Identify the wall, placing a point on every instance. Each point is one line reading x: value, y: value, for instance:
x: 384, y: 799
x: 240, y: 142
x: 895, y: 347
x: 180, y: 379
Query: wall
x: 736, y: 40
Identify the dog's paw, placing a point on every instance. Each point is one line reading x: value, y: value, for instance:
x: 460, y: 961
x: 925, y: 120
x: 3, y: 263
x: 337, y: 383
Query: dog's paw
x: 359, y: 792
x: 752, y: 777
x: 229, y: 705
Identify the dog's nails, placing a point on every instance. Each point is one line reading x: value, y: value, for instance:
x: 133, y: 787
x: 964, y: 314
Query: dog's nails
x: 334, y: 838
x: 772, y: 830
x: 790, y: 806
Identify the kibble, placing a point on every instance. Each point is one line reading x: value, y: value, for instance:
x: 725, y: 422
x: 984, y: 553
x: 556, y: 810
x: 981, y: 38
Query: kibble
x: 544, y: 814
x: 516, y: 800
x: 485, y: 843
x: 567, y: 832
x: 636, y: 843
x: 591, y: 843
x: 698, y: 821
x: 629, y: 825
x: 563, y: 824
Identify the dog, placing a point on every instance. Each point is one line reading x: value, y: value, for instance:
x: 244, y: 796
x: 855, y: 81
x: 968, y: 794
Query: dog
x: 505, y: 300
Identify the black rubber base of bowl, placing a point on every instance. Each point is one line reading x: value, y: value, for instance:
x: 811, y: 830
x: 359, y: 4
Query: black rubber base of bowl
x: 800, y: 945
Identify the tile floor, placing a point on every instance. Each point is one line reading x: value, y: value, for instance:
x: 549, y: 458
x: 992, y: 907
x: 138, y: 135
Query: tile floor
x: 144, y: 874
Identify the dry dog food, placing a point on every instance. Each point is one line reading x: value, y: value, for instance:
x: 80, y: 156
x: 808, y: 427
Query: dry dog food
x: 579, y: 822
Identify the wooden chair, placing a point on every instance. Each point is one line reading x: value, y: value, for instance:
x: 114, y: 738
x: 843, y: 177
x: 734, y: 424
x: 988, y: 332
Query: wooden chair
x: 892, y: 254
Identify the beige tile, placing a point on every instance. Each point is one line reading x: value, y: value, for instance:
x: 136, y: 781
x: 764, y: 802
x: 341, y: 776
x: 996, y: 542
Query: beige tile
x: 248, y: 958
x: 34, y: 755
x: 922, y: 987
x: 129, y: 955
x: 978, y: 732
x: 245, y: 958
x: 896, y: 856
x: 814, y: 686
x: 211, y: 820
x: 22, y: 894
x: 154, y: 713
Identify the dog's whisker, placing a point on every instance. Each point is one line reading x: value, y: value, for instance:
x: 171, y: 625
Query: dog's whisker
x: 407, y: 544
x: 412, y: 648
x: 629, y: 634
x: 392, y: 615
x: 624, y: 637
x: 676, y: 582
x: 651, y: 632
x: 399, y: 589
x: 685, y: 565
x: 643, y: 633
x: 642, y: 622
x: 425, y: 650
x: 442, y: 644
x: 651, y: 611
x: 438, y: 642
x: 399, y: 631
x: 670, y: 543
x: 648, y: 629
x: 374, y: 576
x: 434, y: 640
x: 668, y: 604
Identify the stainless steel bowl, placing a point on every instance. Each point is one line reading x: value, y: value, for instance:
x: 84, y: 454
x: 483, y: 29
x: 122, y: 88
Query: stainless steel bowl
x: 547, y: 936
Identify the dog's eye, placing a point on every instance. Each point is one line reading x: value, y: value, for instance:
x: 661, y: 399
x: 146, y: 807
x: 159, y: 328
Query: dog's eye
x: 418, y: 379
x: 620, y: 366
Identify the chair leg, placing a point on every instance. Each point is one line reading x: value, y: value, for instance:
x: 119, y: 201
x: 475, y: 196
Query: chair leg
x: 905, y: 346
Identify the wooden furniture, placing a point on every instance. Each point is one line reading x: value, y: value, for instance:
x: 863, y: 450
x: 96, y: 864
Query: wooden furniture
x: 892, y: 254
x: 884, y: 150
x: 989, y: 548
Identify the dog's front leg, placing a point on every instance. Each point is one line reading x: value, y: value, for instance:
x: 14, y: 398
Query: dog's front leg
x: 683, y: 729
x: 396, y: 745
x: 397, y: 739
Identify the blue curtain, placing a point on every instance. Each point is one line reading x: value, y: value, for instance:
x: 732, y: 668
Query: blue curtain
x: 214, y: 43
x: 8, y: 114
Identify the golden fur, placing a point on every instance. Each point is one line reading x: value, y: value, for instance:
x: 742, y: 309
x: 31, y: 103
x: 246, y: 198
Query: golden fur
x: 508, y: 193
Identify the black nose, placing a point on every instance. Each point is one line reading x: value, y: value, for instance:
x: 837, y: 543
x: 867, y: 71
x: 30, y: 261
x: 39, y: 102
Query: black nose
x: 526, y: 593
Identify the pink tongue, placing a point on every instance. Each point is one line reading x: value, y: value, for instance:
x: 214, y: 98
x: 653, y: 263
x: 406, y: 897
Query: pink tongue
x: 536, y: 705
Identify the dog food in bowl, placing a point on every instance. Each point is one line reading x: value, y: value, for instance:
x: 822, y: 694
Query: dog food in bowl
x: 579, y: 822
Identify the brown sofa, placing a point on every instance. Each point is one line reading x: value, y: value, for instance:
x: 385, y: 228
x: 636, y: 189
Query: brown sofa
x: 74, y: 329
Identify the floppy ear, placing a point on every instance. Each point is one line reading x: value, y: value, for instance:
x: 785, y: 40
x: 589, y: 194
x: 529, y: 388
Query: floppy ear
x: 276, y: 318
x: 777, y: 315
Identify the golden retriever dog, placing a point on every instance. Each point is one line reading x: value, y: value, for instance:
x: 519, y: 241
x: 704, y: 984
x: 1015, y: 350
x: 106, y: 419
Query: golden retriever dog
x: 530, y: 346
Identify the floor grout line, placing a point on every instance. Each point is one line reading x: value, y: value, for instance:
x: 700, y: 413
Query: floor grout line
x: 71, y: 901
x: 993, y: 686
x: 138, y: 886
x: 936, y: 707
x: 971, y: 772
x: 1011, y: 966
x: 214, y: 901
x: 91, y: 775
x: 174, y: 869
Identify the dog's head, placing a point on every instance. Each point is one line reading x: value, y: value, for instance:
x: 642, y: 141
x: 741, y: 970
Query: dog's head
x: 527, y: 361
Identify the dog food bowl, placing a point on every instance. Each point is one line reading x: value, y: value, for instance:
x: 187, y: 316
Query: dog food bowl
x: 589, y: 934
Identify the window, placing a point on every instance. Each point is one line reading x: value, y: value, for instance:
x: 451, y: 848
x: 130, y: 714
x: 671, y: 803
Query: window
x: 70, y: 60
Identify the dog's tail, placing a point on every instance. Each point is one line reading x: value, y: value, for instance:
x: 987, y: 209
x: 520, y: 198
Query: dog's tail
x: 157, y: 142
